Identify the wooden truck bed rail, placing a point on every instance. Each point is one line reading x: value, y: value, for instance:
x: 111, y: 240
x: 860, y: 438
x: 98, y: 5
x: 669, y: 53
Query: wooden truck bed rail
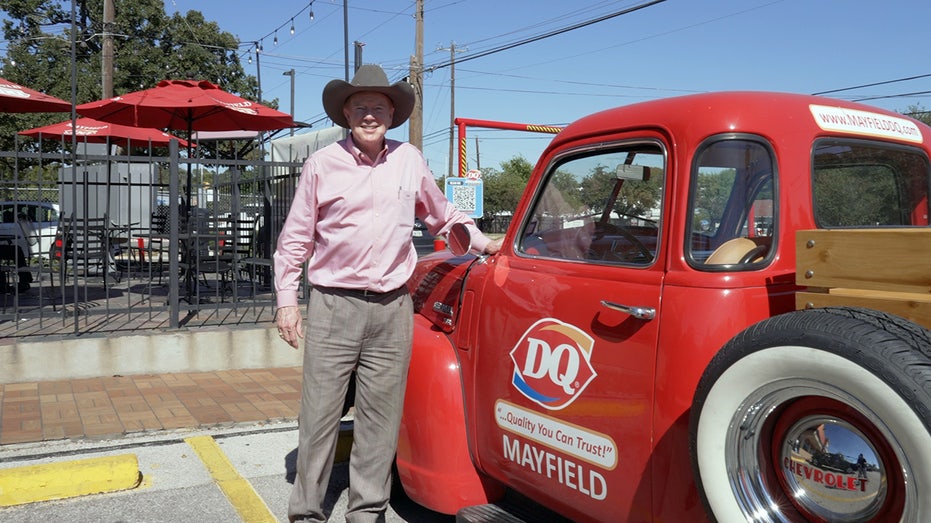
x: 883, y: 269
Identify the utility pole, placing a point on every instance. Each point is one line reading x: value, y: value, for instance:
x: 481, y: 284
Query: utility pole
x: 258, y: 69
x: 416, y: 80
x: 452, y: 101
x: 346, y: 36
x: 106, y: 55
x: 345, y: 47
x: 357, y: 55
x: 290, y: 73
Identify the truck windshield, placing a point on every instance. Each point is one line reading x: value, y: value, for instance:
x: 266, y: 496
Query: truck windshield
x: 857, y: 183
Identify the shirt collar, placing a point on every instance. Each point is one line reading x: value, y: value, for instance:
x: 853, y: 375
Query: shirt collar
x: 361, y: 158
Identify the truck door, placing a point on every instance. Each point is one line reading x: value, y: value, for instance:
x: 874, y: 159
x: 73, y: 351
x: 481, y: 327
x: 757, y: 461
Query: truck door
x: 566, y: 335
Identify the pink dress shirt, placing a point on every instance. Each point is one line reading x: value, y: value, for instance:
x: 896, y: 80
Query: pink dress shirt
x: 353, y: 219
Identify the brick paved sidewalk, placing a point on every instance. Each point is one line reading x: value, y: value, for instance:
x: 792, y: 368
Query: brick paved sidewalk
x: 113, y: 406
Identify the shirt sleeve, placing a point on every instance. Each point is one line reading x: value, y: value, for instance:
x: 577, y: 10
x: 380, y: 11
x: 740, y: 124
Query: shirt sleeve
x: 296, y: 240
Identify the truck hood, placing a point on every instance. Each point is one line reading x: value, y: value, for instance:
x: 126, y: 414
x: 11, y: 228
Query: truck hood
x: 436, y: 287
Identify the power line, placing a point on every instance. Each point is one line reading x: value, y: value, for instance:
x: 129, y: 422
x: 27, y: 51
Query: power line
x: 537, y: 91
x: 537, y: 38
x: 901, y: 95
x: 578, y: 82
x: 874, y: 85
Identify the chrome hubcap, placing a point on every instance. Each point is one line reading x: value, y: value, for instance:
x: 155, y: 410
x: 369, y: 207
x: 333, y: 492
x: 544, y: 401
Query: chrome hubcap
x: 796, y: 451
x: 832, y: 470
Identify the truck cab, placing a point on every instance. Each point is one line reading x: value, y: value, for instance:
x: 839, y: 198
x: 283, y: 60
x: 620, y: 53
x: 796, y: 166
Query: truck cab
x: 583, y: 365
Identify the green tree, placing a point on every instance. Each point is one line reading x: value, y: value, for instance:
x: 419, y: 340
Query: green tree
x: 919, y: 113
x: 714, y: 189
x: 503, y: 189
x: 149, y: 46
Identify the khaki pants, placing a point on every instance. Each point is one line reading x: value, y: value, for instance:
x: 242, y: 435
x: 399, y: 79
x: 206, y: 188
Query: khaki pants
x: 372, y: 335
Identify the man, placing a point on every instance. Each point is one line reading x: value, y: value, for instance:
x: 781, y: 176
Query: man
x: 352, y: 217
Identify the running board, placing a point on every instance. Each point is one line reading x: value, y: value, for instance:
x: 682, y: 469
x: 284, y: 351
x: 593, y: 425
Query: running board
x: 487, y: 514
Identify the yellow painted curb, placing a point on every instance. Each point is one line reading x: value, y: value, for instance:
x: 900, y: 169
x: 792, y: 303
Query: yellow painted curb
x: 247, y: 502
x: 68, y: 479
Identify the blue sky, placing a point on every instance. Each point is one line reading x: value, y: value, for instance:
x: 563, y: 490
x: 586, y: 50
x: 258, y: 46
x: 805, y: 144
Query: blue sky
x: 671, y: 48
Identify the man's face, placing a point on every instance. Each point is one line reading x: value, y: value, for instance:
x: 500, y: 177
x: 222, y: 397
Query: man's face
x: 369, y: 116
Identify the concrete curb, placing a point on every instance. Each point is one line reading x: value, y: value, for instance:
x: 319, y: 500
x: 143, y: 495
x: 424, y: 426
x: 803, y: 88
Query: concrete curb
x: 200, y: 350
x: 68, y: 479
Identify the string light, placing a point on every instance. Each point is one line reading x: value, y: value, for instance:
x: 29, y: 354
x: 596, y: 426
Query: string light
x: 257, y: 45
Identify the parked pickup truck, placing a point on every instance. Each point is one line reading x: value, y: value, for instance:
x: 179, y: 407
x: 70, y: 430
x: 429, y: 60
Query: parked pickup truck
x: 711, y: 307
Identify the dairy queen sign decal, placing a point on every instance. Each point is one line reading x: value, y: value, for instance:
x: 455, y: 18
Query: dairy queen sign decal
x: 552, y: 363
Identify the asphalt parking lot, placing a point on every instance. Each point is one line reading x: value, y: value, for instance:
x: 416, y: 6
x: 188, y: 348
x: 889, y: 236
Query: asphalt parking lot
x: 232, y: 474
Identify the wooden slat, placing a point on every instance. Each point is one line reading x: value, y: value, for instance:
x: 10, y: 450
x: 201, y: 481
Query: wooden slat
x: 877, y: 259
x: 915, y: 307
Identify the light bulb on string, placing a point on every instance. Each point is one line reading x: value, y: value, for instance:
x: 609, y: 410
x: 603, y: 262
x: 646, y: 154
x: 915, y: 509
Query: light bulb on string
x: 275, y: 41
x: 292, y: 27
x: 311, y: 11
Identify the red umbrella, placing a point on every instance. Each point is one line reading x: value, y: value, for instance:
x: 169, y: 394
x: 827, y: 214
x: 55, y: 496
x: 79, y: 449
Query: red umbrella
x: 187, y: 105
x: 15, y: 98
x: 94, y: 131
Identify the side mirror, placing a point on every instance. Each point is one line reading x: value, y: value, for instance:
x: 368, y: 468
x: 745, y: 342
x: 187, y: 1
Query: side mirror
x: 459, y: 239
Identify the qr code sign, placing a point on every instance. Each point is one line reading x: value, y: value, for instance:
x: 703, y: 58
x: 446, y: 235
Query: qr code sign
x: 464, y: 198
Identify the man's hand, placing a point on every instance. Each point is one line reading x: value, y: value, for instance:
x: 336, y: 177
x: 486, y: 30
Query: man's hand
x: 290, y: 325
x: 493, y: 246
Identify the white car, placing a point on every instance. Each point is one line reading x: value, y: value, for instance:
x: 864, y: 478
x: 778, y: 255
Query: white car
x: 29, y: 224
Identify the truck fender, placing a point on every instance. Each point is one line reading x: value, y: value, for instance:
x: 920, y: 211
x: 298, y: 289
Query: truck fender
x: 433, y: 459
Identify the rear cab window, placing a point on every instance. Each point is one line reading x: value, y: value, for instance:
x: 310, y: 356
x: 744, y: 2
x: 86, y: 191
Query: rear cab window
x: 867, y: 184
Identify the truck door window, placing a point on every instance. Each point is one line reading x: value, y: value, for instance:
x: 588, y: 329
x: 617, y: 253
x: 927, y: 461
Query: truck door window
x: 731, y: 204
x: 856, y: 183
x: 600, y: 206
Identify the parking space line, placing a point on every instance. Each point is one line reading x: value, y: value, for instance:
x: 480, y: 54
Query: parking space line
x: 247, y: 502
x: 34, y: 483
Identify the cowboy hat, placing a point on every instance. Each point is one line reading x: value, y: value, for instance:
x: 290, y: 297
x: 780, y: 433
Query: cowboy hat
x: 369, y: 78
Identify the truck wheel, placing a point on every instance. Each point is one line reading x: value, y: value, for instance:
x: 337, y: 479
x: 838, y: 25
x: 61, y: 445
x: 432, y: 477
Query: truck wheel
x: 792, y: 401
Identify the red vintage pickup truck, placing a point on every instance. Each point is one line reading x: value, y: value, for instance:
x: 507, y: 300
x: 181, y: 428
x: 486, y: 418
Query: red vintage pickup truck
x: 711, y: 307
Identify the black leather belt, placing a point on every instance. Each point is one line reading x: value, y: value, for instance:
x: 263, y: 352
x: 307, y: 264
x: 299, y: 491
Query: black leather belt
x: 358, y: 293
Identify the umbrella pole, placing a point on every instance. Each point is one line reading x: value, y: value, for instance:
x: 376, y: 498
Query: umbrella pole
x: 109, y: 165
x: 187, y: 214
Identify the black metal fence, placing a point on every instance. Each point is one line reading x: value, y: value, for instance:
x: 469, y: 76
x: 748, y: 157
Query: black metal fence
x: 137, y: 236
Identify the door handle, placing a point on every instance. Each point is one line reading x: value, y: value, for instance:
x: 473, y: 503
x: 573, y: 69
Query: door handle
x: 641, y: 313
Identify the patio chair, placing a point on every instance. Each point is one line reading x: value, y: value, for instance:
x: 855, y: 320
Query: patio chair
x: 243, y: 231
x: 208, y: 251
x: 156, y: 250
x: 86, y: 249
x: 258, y: 264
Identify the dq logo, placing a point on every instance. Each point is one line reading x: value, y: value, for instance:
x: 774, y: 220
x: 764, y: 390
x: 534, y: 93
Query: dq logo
x: 552, y: 363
